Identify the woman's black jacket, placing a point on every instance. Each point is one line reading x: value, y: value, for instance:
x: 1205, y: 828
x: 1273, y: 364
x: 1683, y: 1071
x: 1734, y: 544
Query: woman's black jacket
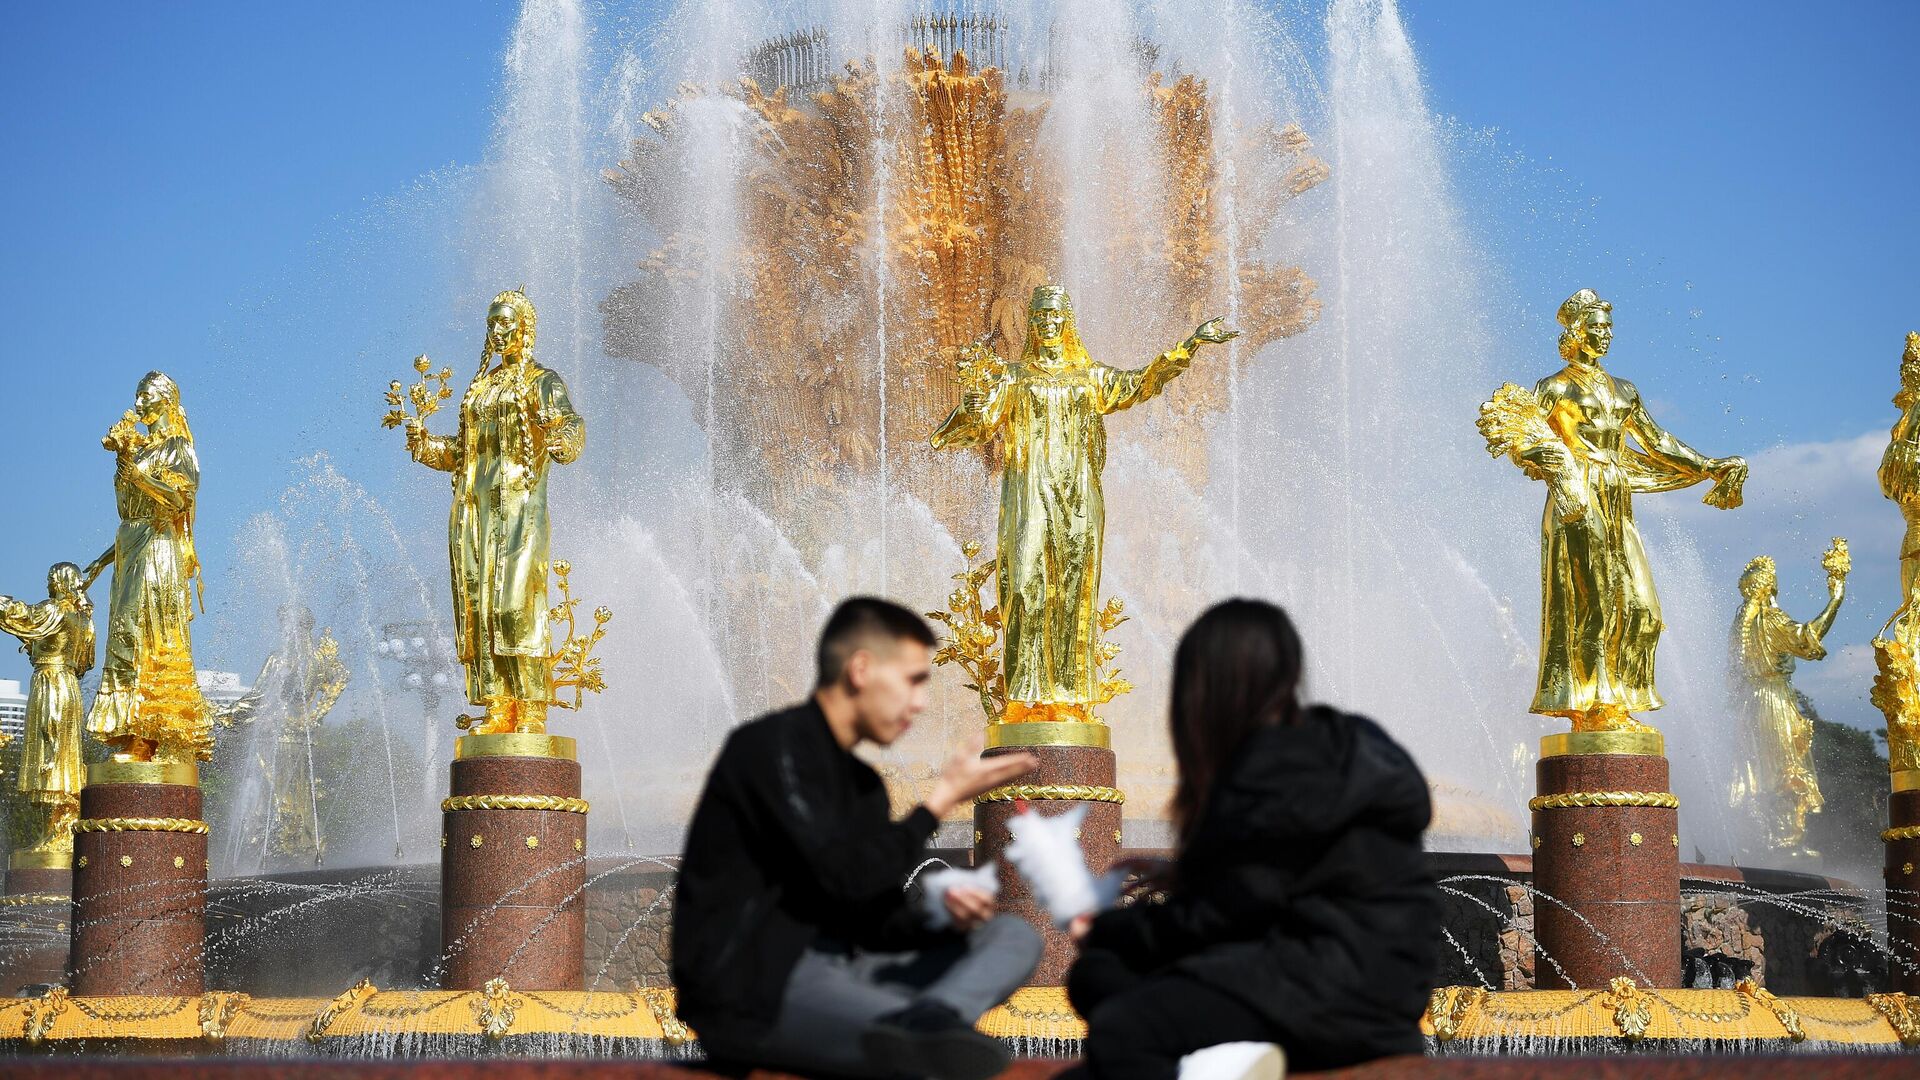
x: 1303, y: 893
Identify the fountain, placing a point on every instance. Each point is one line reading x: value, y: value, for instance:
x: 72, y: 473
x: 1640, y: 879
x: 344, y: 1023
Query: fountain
x: 762, y: 288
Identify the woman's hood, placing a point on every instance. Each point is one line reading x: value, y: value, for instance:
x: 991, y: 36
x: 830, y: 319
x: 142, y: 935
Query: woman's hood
x: 1316, y: 777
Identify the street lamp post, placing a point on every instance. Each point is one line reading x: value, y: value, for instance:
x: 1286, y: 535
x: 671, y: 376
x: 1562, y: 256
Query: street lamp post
x: 424, y: 652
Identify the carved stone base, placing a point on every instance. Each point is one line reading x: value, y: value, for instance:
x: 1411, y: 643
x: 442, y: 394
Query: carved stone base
x: 1064, y: 772
x: 1903, y: 891
x: 514, y: 867
x: 139, y: 884
x: 1614, y: 870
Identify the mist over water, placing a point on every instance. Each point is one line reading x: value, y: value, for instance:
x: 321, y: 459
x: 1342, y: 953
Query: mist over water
x: 1343, y: 477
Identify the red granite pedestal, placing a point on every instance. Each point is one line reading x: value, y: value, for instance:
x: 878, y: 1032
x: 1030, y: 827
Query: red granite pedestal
x: 1902, y: 840
x: 34, y: 916
x: 1068, y: 776
x: 139, y: 881
x: 1606, y: 839
x: 513, y: 869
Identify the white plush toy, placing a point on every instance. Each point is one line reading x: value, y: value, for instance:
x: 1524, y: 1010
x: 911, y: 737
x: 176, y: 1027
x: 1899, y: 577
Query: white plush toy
x: 1046, y: 851
x: 934, y: 895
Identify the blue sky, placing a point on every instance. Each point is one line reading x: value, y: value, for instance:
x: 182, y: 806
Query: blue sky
x: 1738, y: 177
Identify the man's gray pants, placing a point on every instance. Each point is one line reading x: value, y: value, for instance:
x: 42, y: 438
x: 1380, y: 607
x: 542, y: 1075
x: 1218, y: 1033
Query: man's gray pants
x: 836, y: 993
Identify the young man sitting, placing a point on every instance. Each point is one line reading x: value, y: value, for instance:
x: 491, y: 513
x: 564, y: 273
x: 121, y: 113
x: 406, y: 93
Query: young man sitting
x: 794, y: 944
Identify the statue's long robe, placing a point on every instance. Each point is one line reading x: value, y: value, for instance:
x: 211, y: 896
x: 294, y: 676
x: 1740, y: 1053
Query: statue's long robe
x: 59, y: 643
x: 1779, y: 773
x: 1599, y: 615
x: 154, y: 570
x: 1052, y: 515
x: 513, y: 425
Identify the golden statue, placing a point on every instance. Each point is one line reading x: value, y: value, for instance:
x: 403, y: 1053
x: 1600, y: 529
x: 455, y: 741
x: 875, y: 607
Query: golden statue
x: 149, y: 705
x: 298, y: 686
x: 1900, y: 465
x: 516, y: 421
x: 1777, y: 782
x: 970, y: 212
x: 57, y: 636
x: 1896, y: 683
x: 1599, y: 616
x: 1896, y: 686
x: 1049, y: 408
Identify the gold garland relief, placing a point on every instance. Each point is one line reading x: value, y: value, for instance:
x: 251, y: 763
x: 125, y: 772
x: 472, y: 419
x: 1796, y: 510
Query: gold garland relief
x: 1901, y: 1016
x: 217, y: 1010
x: 1053, y: 793
x: 1788, y: 1018
x: 1904, y: 832
x: 43, y: 1011
x: 1582, y: 799
x: 515, y: 802
x: 1630, y: 1012
x: 351, y: 998
x: 141, y: 824
x: 1447, y: 1009
x: 495, y: 1009
x: 661, y: 1003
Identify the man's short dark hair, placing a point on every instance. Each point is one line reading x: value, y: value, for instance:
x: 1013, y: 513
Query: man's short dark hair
x: 866, y: 622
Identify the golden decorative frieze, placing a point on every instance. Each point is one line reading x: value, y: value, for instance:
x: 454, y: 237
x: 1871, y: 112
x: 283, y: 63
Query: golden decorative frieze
x: 1578, y: 800
x: 1053, y: 793
x: 141, y: 824
x: 559, y: 803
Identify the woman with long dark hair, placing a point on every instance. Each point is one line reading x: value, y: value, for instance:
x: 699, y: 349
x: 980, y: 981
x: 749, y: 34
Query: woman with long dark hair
x: 1298, y: 910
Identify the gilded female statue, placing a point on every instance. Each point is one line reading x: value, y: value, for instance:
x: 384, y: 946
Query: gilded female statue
x: 1900, y: 465
x: 516, y: 422
x: 1599, y: 615
x: 149, y: 705
x: 57, y: 636
x: 1049, y: 409
x: 1777, y: 782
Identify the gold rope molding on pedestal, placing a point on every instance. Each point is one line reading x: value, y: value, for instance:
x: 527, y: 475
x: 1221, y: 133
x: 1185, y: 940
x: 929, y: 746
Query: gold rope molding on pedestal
x: 515, y: 802
x: 1572, y: 800
x: 1904, y: 832
x: 141, y: 824
x: 1053, y: 792
x: 24, y: 899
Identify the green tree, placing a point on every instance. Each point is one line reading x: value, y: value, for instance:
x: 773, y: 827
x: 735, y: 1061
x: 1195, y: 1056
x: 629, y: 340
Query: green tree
x: 1853, y: 778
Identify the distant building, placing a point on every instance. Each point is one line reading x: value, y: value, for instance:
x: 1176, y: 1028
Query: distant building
x: 222, y: 687
x: 13, y: 709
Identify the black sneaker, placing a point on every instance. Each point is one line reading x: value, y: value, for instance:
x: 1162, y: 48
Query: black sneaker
x: 929, y: 1039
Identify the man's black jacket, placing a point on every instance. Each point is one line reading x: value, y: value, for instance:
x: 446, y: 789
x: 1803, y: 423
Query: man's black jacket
x: 1303, y: 893
x: 792, y: 841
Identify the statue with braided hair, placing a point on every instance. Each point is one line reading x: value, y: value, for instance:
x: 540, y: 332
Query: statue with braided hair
x: 516, y: 422
x: 57, y: 636
x: 1777, y: 783
x: 149, y: 705
x: 1599, y: 615
x: 1900, y: 465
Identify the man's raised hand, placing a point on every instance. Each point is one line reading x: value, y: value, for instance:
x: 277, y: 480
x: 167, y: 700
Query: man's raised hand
x: 968, y: 774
